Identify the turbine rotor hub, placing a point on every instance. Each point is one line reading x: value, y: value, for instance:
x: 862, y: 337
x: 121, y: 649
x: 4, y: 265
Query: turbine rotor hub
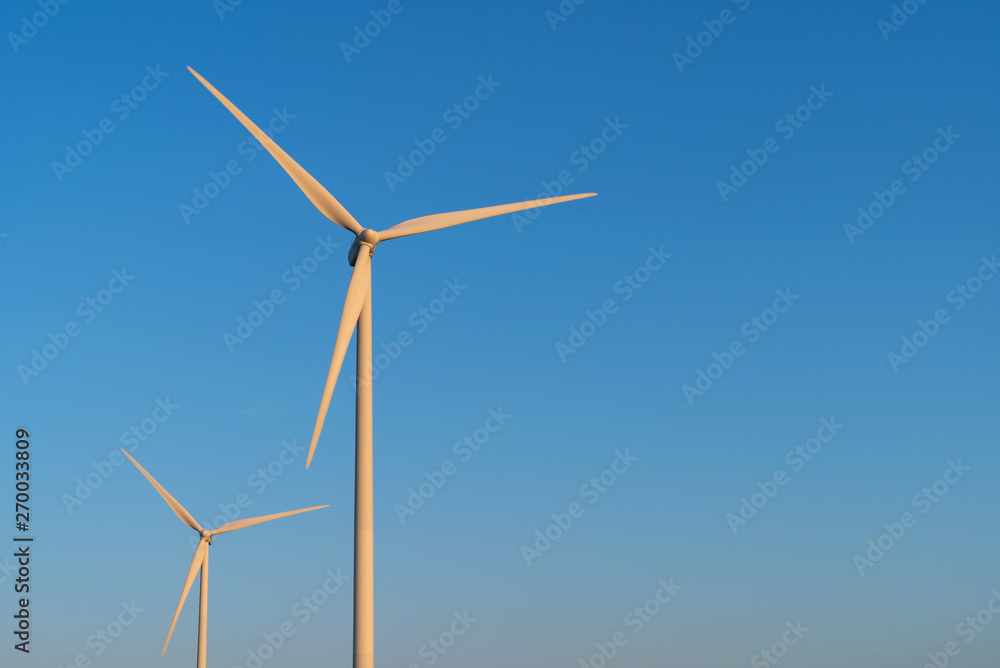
x: 367, y: 238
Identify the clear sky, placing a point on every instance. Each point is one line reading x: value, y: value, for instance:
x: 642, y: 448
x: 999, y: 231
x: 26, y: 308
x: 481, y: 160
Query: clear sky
x: 766, y: 377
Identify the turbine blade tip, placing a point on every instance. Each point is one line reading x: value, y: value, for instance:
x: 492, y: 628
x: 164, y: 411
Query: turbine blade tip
x: 312, y: 449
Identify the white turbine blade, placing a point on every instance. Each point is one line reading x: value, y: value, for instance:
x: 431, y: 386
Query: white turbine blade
x: 199, y: 556
x: 441, y: 220
x: 180, y: 510
x: 357, y: 292
x: 316, y: 193
x: 249, y: 522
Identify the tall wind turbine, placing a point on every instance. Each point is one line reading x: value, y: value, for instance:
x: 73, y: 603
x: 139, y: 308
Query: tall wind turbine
x: 358, y: 312
x: 200, y: 560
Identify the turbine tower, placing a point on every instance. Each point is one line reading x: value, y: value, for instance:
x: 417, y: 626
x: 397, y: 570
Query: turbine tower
x: 200, y: 560
x: 358, y: 312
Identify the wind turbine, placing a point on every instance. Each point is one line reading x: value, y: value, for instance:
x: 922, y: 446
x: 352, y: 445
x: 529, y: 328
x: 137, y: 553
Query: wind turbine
x: 200, y: 560
x: 358, y: 312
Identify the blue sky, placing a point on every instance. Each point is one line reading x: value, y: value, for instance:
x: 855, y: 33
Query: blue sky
x: 788, y: 325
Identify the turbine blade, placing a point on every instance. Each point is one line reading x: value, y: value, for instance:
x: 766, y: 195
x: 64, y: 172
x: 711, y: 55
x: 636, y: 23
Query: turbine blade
x: 440, y: 220
x: 199, y: 556
x: 249, y: 522
x: 178, y: 509
x: 357, y: 292
x: 316, y: 193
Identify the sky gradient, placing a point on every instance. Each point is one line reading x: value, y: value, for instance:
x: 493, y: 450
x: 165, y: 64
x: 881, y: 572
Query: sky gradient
x: 720, y: 376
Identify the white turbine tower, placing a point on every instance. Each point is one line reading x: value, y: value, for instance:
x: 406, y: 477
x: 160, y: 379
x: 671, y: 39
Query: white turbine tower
x: 358, y: 312
x: 200, y: 560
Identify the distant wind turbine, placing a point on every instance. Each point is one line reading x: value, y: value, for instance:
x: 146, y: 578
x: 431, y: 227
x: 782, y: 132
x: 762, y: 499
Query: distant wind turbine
x: 200, y: 560
x: 358, y: 312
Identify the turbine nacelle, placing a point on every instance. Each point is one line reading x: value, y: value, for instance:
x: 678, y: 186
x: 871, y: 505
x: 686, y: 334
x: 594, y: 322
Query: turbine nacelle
x: 366, y: 237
